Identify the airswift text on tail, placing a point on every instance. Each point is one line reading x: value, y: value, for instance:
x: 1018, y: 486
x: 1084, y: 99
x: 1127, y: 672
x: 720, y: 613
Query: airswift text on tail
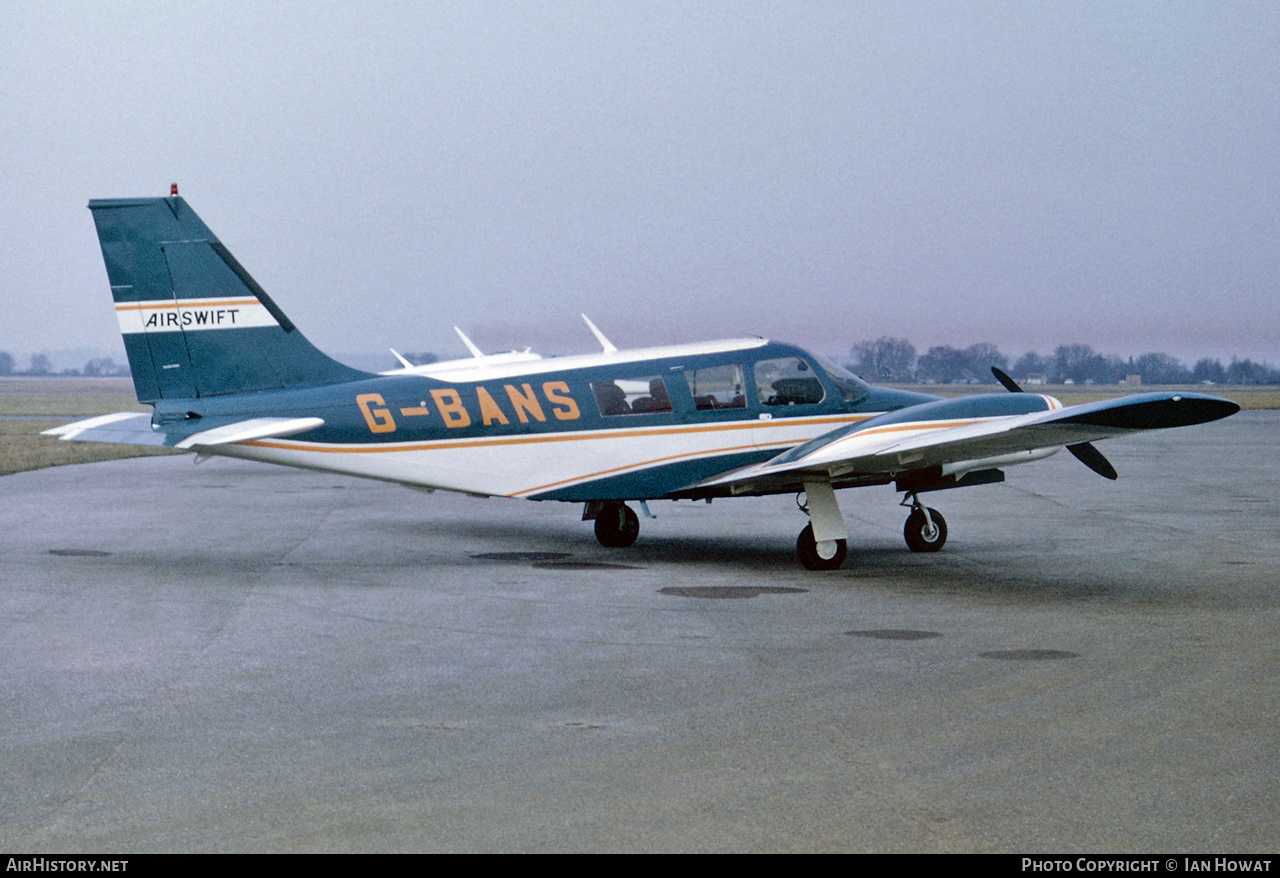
x: 229, y: 374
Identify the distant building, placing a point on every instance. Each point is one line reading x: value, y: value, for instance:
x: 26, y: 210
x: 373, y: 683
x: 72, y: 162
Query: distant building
x: 1131, y: 379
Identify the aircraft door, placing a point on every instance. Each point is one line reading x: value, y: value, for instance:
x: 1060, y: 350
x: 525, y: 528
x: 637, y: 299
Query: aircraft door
x: 786, y: 389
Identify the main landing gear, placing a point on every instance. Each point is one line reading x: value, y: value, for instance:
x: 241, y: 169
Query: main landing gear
x: 616, y: 525
x: 925, y: 530
x: 822, y: 545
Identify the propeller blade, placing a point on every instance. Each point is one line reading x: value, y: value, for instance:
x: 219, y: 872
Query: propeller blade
x: 1083, y: 451
x: 1093, y: 459
x: 1009, y: 384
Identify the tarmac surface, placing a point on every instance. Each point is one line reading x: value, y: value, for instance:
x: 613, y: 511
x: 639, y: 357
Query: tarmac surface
x: 235, y: 657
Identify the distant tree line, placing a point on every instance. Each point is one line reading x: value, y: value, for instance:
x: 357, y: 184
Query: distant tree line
x: 40, y: 364
x: 896, y: 360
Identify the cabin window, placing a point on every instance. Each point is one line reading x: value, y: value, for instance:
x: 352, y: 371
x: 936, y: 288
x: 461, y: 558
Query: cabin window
x: 718, y: 387
x: 789, y: 381
x: 631, y: 396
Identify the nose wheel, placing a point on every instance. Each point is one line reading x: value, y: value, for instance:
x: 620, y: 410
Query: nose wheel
x: 926, y: 529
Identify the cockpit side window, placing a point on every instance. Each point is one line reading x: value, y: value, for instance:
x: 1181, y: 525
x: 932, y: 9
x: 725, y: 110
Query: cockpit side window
x: 787, y: 381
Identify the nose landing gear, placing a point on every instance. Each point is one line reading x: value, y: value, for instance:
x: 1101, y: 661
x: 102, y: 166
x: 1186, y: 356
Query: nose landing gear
x: 810, y: 554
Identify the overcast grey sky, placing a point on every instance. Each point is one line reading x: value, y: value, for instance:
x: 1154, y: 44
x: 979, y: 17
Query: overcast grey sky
x: 1023, y: 173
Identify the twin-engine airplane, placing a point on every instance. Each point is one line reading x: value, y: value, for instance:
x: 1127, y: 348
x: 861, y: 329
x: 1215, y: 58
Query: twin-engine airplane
x: 229, y: 374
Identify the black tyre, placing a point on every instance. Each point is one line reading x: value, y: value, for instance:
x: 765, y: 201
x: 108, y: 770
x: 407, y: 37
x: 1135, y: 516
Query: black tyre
x: 918, y: 535
x: 807, y: 551
x: 617, y: 526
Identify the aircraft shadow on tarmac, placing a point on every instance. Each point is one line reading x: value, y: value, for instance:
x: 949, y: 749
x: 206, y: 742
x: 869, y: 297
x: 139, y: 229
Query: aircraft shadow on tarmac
x: 880, y: 564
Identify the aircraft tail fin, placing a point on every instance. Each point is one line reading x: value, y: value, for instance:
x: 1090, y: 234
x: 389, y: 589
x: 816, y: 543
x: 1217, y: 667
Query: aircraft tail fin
x: 195, y: 323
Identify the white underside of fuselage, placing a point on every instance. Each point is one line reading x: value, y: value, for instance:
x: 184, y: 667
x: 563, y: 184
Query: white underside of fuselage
x: 534, y: 464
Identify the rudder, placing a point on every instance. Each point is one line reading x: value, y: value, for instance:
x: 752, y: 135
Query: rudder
x: 194, y: 322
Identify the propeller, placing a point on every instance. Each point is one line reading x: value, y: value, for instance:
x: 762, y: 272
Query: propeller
x: 1093, y: 459
x: 1083, y: 451
x: 1009, y: 384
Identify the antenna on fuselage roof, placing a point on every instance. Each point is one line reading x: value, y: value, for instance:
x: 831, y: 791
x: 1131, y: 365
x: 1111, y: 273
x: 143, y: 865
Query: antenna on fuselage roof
x: 475, y: 351
x: 604, y: 342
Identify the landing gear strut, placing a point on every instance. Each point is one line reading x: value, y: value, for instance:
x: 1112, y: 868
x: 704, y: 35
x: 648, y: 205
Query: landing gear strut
x: 616, y: 525
x: 823, y: 544
x: 926, y: 529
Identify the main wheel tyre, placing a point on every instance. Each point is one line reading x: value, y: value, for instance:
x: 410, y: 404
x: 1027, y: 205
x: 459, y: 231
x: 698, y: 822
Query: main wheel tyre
x: 807, y: 550
x: 617, y: 526
x: 920, y: 537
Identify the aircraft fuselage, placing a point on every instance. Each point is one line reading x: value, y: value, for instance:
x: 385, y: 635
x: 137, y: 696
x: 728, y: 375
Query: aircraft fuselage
x: 546, y: 429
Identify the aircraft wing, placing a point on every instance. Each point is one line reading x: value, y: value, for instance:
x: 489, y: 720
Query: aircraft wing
x: 961, y: 435
x: 135, y: 428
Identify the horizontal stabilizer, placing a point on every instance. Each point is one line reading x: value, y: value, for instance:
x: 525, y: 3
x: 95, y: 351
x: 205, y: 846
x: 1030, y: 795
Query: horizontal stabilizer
x: 135, y: 428
x: 126, y: 428
x: 247, y: 431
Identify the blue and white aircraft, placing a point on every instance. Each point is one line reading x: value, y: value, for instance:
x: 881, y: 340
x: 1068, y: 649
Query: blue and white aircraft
x: 229, y: 374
